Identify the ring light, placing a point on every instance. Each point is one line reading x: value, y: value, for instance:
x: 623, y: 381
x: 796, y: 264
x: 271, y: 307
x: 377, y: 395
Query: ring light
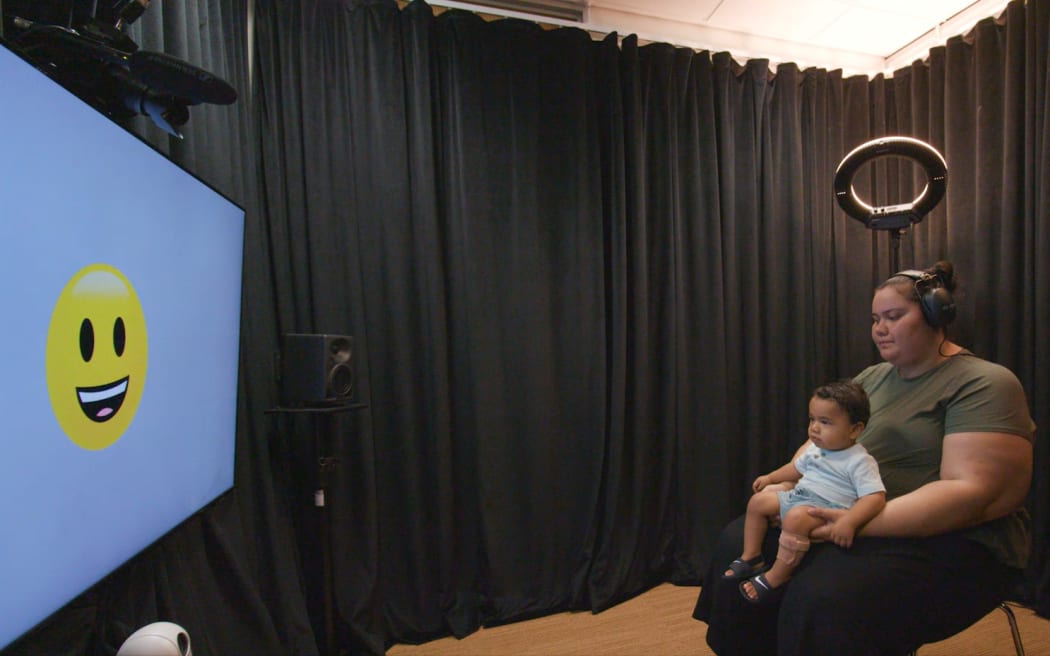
x: 891, y: 217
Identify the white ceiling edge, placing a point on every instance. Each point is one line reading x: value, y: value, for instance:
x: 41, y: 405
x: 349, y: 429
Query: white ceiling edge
x: 740, y: 45
x: 960, y: 23
x: 744, y: 47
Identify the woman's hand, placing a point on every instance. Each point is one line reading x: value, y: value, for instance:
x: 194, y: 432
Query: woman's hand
x: 841, y: 525
x: 826, y: 531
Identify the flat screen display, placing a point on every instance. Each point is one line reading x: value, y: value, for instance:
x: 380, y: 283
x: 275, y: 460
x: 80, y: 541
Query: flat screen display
x: 120, y: 282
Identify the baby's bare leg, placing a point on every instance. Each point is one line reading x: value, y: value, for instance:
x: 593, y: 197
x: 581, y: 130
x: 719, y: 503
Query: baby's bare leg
x: 760, y: 508
x: 794, y: 543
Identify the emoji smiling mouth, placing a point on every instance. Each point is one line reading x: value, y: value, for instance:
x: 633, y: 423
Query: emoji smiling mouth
x: 101, y: 403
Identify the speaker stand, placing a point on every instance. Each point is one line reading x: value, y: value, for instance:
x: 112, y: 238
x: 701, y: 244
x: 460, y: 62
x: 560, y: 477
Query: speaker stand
x: 326, y: 465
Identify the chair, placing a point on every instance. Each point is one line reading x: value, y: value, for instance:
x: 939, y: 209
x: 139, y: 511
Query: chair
x: 1018, y: 647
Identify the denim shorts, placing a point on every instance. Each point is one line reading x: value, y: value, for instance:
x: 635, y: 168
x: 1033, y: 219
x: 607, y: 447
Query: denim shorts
x: 802, y: 497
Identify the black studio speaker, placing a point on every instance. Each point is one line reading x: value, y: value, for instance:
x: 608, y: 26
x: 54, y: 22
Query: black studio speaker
x: 316, y: 369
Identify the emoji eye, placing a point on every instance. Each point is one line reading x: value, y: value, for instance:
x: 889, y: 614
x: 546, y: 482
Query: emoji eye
x: 119, y: 337
x: 87, y: 340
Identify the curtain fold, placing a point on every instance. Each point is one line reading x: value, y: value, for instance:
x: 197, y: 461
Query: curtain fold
x: 1035, y: 162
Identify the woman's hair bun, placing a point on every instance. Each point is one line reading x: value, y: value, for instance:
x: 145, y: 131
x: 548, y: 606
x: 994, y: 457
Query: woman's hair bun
x: 945, y: 273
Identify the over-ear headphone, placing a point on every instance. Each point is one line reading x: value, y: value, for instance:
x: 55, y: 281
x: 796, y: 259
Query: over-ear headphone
x: 935, y: 300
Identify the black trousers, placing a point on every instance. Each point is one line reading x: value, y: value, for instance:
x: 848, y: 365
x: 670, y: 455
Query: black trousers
x: 882, y: 597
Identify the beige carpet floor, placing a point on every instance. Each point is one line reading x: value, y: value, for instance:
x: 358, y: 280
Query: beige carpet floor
x: 659, y: 623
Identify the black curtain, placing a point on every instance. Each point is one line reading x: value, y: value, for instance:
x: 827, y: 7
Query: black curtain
x: 591, y: 284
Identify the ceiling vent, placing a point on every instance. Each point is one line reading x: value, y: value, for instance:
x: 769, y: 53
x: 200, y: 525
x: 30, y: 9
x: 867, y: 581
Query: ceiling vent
x: 567, y: 10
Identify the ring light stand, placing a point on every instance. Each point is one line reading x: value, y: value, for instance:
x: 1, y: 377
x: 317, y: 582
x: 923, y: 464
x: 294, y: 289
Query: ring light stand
x: 894, y: 218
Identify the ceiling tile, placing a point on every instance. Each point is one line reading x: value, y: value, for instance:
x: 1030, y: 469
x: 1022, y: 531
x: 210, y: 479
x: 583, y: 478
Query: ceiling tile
x: 870, y: 31
x: 791, y: 21
x: 933, y: 11
x: 686, y: 11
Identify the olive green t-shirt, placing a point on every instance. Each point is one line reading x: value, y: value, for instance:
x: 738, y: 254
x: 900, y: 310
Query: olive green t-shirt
x: 911, y: 416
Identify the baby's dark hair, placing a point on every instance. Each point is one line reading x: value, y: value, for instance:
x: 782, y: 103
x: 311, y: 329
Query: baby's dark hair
x: 850, y: 396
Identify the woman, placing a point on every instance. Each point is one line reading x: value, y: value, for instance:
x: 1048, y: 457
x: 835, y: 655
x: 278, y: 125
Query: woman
x: 953, y: 438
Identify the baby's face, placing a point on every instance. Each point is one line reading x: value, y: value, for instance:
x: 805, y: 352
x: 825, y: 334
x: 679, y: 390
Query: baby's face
x: 829, y: 425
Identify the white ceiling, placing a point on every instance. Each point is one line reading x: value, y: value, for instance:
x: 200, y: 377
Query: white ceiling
x: 857, y: 36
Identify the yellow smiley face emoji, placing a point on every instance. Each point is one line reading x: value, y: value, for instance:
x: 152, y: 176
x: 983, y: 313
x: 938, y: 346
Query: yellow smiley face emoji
x: 96, y: 356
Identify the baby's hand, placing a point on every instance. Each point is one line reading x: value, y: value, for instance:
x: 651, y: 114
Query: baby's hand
x: 760, y: 483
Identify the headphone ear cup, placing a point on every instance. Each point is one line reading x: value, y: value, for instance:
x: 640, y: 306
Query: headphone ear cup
x: 938, y: 306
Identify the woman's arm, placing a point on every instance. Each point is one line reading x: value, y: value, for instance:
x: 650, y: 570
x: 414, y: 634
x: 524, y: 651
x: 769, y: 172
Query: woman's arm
x: 983, y: 476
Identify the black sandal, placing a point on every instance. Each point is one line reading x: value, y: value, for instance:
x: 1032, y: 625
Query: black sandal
x: 764, y: 593
x: 742, y: 569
